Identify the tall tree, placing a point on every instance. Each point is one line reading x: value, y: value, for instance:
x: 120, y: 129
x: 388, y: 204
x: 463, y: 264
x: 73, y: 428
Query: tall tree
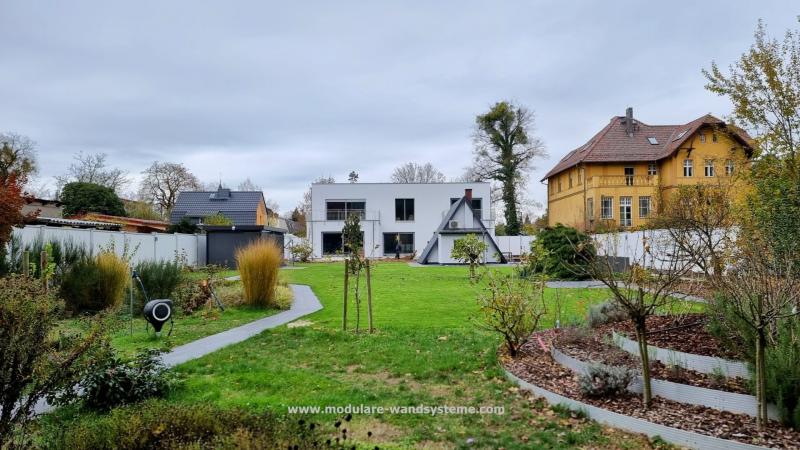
x: 17, y: 157
x: 412, y: 172
x: 163, y: 181
x: 93, y: 168
x: 764, y: 87
x: 353, y: 177
x: 504, y: 151
x: 305, y: 205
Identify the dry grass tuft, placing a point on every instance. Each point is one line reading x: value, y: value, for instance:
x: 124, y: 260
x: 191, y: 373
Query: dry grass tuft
x: 258, y: 265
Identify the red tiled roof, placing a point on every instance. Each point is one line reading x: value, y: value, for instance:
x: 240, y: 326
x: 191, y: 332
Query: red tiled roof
x: 612, y: 143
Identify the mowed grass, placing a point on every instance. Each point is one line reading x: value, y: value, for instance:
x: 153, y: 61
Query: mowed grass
x: 427, y: 351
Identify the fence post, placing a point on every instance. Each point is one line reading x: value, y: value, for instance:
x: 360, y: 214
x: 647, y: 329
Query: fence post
x: 26, y: 263
x: 43, y: 268
x: 369, y: 297
x: 346, y: 288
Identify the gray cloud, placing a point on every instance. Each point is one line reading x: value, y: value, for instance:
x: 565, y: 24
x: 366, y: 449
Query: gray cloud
x: 285, y: 93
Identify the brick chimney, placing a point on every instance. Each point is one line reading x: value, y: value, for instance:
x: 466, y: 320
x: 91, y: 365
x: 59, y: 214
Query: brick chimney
x: 629, y: 121
x: 468, y: 194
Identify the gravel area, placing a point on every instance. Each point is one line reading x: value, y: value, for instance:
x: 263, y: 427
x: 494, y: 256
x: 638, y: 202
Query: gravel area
x: 536, y: 366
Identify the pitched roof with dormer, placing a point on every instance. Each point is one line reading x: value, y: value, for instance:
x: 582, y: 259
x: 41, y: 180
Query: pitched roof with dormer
x: 239, y: 206
x: 615, y: 143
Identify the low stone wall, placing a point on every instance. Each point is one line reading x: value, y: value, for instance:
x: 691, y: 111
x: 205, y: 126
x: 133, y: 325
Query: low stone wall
x: 633, y: 424
x: 683, y: 393
x: 698, y: 363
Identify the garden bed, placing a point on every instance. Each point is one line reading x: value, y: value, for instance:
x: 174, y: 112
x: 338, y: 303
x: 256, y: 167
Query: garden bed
x: 536, y: 366
x: 687, y: 333
x: 597, y: 346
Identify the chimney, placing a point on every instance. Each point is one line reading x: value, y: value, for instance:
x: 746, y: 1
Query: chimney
x: 468, y: 194
x: 629, y: 121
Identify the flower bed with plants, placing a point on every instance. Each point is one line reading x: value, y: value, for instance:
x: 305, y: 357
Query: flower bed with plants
x: 536, y: 366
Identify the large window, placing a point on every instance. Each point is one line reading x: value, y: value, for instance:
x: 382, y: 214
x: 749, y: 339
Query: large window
x: 332, y: 243
x: 688, y: 168
x: 729, y: 167
x: 404, y: 209
x: 625, y: 209
x: 629, y: 176
x: 709, y: 168
x: 390, y: 241
x: 340, y: 209
x: 606, y: 207
x: 644, y: 207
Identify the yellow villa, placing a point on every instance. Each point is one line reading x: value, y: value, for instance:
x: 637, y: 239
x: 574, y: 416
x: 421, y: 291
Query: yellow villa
x: 616, y: 179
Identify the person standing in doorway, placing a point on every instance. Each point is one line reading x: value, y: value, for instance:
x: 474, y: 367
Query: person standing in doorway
x: 397, y: 248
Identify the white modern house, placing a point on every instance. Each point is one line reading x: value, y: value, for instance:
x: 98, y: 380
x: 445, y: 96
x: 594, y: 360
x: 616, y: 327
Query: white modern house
x: 424, y: 218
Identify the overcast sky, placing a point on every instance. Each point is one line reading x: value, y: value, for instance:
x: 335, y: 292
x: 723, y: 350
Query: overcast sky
x: 285, y: 93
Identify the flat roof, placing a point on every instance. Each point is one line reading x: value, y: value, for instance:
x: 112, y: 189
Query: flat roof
x: 401, y: 184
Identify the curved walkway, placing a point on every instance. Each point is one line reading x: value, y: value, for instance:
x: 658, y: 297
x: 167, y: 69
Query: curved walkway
x: 305, y: 303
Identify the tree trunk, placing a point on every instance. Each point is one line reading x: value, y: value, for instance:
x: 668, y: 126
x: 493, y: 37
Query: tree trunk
x: 761, y: 401
x: 346, y: 288
x: 369, y: 297
x: 510, y: 201
x: 641, y: 335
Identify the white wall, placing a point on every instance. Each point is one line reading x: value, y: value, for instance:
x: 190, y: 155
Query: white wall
x: 514, y: 245
x: 431, y: 202
x: 151, y: 247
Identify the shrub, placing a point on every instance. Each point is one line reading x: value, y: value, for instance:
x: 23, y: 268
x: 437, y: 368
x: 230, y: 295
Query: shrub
x: 566, y: 252
x: 469, y: 250
x: 783, y: 371
x: 302, y: 251
x: 32, y: 364
x: 184, y: 226
x: 160, y: 278
x: 79, y: 198
x: 258, y: 265
x: 158, y: 424
x: 606, y: 312
x: 511, y: 307
x: 218, y: 220
x: 601, y: 380
x: 111, y: 382
x: 96, y: 284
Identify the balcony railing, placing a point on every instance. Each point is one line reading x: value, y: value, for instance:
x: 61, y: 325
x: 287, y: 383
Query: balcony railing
x: 341, y: 214
x: 623, y: 180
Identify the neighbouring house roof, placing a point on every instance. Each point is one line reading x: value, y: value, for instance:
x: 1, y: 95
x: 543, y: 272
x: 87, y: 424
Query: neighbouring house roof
x: 127, y: 222
x: 75, y: 223
x: 614, y: 144
x: 444, y: 228
x: 41, y: 201
x: 239, y: 206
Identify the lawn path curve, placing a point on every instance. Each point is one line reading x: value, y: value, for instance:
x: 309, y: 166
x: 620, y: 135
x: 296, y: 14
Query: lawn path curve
x: 305, y: 303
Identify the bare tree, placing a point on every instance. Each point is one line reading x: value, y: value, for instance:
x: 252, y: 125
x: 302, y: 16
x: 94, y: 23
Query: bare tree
x: 163, y: 181
x: 642, y: 291
x: 412, y: 172
x: 17, y: 157
x: 305, y: 205
x: 504, y: 151
x: 248, y: 185
x: 760, y: 289
x: 92, y: 168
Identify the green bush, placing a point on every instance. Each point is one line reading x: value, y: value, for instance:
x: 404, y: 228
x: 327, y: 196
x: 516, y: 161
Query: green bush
x: 302, y: 251
x: 565, y: 253
x: 158, y: 424
x: 601, y: 380
x: 80, y: 198
x: 112, y: 382
x: 34, y: 361
x: 218, y: 220
x: 184, y: 226
x: 95, y: 284
x: 160, y: 278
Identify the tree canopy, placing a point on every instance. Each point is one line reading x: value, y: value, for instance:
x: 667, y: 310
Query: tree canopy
x: 412, y: 172
x: 80, y: 198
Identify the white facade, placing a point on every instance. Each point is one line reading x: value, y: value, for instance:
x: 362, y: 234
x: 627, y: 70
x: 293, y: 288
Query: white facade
x: 414, y: 211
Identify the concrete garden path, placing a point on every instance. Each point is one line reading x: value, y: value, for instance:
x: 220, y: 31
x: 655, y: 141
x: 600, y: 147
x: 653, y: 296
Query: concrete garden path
x: 305, y: 303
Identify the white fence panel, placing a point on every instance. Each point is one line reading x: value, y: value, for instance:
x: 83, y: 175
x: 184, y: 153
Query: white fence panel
x: 514, y: 245
x: 144, y: 247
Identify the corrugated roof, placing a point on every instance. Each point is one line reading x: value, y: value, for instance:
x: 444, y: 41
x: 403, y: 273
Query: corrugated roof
x: 613, y: 144
x: 239, y: 206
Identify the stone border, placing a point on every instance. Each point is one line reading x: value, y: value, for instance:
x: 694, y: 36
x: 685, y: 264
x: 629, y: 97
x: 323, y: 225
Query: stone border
x: 633, y: 424
x: 683, y: 393
x: 698, y: 363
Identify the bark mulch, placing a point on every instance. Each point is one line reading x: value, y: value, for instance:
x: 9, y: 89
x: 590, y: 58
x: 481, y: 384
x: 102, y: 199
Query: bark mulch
x: 596, y: 345
x: 686, y: 333
x: 537, y: 366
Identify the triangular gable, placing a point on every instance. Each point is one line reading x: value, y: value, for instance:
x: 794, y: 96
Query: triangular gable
x: 443, y: 226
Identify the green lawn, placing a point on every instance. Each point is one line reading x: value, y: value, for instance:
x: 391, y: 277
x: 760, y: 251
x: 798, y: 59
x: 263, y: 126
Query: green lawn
x: 427, y: 351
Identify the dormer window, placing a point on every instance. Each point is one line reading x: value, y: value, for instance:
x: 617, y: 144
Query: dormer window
x: 652, y: 140
x: 702, y: 138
